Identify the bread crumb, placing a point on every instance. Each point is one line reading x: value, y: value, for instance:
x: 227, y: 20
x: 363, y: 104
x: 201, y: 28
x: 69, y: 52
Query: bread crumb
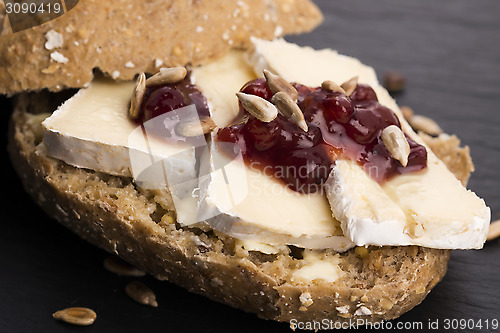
x: 306, y: 299
x: 199, y: 29
x: 58, y: 57
x: 115, y: 75
x: 363, y: 311
x: 54, y: 40
x: 129, y: 64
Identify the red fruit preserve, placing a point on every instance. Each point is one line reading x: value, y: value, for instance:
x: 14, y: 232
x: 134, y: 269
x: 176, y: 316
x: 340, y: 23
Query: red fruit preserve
x: 339, y: 127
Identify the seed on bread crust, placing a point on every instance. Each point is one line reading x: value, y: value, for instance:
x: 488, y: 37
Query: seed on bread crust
x: 288, y: 108
x: 278, y: 84
x: 425, y: 124
x: 135, y: 103
x: 350, y: 85
x: 258, y: 107
x: 76, y: 316
x: 120, y: 267
x: 196, y: 127
x: 167, y: 76
x: 141, y: 293
x: 332, y: 87
x: 396, y: 143
x: 407, y: 112
x: 394, y: 82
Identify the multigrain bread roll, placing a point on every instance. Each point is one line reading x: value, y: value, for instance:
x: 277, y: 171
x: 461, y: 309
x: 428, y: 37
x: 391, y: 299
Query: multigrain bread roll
x: 126, y: 37
x: 137, y: 224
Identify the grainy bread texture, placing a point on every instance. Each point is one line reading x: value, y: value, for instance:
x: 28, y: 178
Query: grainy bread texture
x: 126, y: 37
x: 139, y: 226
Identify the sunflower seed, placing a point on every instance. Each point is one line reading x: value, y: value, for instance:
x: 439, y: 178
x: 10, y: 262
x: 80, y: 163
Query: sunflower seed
x: 494, y: 230
x: 141, y: 293
x: 196, y: 127
x: 332, y: 86
x: 120, y: 267
x: 135, y: 103
x: 76, y: 316
x: 394, y: 82
x: 407, y: 112
x: 258, y: 107
x: 350, y: 85
x: 278, y: 84
x: 425, y: 124
x: 288, y: 108
x: 396, y: 143
x: 167, y: 76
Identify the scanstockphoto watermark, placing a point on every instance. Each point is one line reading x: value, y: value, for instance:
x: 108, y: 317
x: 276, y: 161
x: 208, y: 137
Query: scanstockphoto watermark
x: 452, y: 325
x: 361, y: 324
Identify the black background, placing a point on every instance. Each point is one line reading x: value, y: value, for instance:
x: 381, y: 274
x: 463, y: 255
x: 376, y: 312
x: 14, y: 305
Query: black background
x: 450, y: 52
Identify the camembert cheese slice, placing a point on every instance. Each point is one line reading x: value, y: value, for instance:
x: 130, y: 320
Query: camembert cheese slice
x: 429, y: 208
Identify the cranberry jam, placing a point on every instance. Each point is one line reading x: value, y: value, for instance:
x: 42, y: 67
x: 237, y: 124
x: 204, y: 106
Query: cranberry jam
x: 159, y: 100
x: 339, y: 127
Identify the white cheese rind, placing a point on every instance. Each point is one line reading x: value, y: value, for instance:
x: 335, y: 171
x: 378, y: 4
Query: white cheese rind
x: 408, y: 210
x: 429, y: 208
x: 249, y: 205
x: 92, y: 130
x: 305, y: 65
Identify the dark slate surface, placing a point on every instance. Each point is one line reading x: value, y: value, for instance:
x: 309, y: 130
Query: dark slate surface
x: 450, y: 52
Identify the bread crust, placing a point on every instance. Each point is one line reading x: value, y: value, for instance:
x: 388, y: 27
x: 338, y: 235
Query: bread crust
x: 112, y: 213
x: 126, y: 37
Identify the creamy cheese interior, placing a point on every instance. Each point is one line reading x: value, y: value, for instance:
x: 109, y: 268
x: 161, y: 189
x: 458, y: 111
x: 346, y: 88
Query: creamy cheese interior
x: 249, y: 205
x: 219, y: 81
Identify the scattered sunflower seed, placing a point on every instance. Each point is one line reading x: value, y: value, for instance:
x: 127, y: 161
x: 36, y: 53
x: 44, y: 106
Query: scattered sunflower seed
x: 494, y: 230
x: 120, y: 267
x: 332, y: 86
x: 394, y: 82
x: 135, y: 103
x: 278, y: 84
x: 167, y: 76
x: 425, y: 124
x: 76, y: 316
x: 258, y: 107
x: 141, y: 293
x: 407, y: 112
x: 396, y: 143
x: 196, y: 127
x: 288, y: 108
x: 350, y: 85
